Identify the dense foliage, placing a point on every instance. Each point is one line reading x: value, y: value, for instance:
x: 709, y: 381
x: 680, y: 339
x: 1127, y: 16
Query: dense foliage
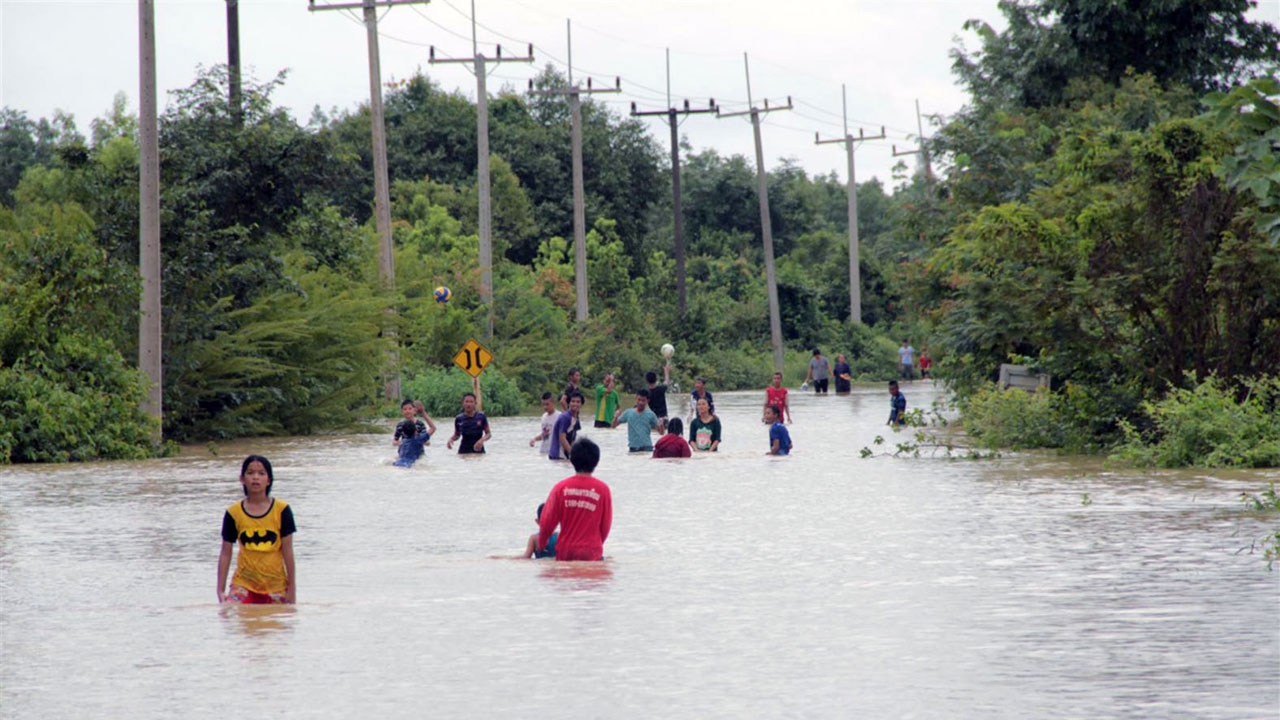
x: 1094, y: 213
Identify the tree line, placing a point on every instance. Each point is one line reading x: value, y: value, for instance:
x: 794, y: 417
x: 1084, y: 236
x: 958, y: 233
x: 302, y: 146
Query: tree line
x: 1108, y: 215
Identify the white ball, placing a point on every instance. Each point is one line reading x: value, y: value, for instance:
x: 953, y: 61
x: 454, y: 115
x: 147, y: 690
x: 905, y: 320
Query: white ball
x: 668, y: 350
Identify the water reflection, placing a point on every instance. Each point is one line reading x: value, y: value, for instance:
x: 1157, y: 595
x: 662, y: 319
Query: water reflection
x: 576, y: 576
x: 258, y: 620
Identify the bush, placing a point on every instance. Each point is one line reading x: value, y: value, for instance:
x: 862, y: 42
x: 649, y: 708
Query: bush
x: 441, y: 391
x: 1206, y: 426
x: 1013, y: 418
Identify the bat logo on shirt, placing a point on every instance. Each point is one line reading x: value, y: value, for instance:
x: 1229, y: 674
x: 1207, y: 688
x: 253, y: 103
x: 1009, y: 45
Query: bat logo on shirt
x: 258, y: 539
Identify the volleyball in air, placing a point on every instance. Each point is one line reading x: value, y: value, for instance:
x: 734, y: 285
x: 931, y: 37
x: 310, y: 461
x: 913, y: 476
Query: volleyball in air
x: 443, y: 294
x: 668, y: 350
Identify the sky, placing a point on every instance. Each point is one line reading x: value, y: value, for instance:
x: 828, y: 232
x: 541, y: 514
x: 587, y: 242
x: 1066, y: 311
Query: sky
x: 75, y: 57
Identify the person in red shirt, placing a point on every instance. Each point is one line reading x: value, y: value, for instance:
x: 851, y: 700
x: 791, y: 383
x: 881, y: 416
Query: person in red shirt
x: 776, y: 396
x: 672, y: 445
x: 581, y: 505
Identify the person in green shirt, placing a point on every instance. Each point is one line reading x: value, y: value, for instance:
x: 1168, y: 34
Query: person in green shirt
x: 607, y: 400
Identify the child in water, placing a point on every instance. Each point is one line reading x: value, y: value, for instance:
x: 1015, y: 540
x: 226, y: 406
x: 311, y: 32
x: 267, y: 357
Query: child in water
x: 412, y: 434
x: 531, y: 548
x: 264, y: 528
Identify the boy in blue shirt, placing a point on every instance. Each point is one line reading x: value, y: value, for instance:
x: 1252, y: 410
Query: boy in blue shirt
x: 641, y: 422
x: 897, y: 405
x: 779, y: 436
x: 531, y: 548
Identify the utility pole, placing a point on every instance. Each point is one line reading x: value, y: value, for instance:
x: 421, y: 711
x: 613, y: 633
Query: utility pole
x: 482, y: 161
x: 381, y: 183
x: 233, y: 62
x: 855, y: 276
x: 766, y: 227
x: 677, y: 210
x: 579, y: 203
x: 150, y: 333
x: 922, y: 150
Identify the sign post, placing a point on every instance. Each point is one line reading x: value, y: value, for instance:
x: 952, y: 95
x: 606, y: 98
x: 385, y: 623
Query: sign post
x: 473, y: 358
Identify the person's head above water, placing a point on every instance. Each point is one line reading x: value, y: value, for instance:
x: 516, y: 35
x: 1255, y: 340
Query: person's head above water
x: 584, y: 455
x: 675, y: 427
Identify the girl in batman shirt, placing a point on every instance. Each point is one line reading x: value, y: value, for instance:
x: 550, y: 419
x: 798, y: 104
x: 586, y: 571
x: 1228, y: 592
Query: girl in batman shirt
x: 264, y: 529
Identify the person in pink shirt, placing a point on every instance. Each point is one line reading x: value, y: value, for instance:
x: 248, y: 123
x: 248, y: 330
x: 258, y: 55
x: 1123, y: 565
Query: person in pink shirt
x: 581, y: 505
x: 776, y: 396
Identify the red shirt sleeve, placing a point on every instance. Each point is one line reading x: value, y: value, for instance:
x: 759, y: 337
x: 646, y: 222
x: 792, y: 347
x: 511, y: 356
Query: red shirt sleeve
x: 606, y: 513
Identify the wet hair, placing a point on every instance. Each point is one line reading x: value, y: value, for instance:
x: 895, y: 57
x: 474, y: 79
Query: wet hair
x: 651, y: 376
x: 266, y: 465
x: 675, y: 427
x: 407, y: 401
x: 643, y: 392
x: 546, y: 396
x: 584, y: 455
x: 538, y: 515
x: 777, y: 411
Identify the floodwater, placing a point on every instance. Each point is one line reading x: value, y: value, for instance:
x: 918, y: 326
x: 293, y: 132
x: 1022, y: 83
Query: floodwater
x: 822, y: 585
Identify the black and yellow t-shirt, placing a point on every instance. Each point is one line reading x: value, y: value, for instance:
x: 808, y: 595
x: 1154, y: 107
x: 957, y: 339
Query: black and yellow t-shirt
x: 260, y: 564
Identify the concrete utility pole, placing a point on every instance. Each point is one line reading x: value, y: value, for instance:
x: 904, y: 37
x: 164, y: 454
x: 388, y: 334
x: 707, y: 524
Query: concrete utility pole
x: 579, y: 204
x: 922, y: 150
x: 482, y: 160
x: 677, y: 210
x: 766, y: 227
x: 381, y: 183
x: 150, y: 333
x: 233, y: 62
x: 855, y: 276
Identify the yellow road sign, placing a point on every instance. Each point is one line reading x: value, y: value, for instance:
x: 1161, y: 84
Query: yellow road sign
x: 473, y: 358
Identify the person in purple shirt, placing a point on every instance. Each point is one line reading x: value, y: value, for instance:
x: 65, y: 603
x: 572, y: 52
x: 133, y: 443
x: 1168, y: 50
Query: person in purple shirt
x: 472, y: 426
x: 566, y: 428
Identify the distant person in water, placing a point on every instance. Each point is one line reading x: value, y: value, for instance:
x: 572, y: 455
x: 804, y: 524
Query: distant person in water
x: 776, y: 395
x: 907, y: 361
x: 672, y: 445
x: 607, y: 400
x: 641, y: 422
x: 844, y: 375
x: 700, y: 392
x: 581, y: 506
x: 549, y: 417
x: 566, y: 429
x: 531, y: 548
x: 411, y: 433
x: 926, y: 364
x: 658, y: 394
x: 575, y: 380
x: 471, y: 426
x: 264, y: 529
x: 897, y: 405
x: 819, y: 373
x: 779, y: 436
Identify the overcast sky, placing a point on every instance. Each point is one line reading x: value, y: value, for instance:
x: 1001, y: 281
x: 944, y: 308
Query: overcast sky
x: 75, y: 56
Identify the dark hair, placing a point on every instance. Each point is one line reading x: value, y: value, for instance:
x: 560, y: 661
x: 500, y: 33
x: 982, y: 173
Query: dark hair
x: 539, y: 513
x: 816, y: 352
x: 651, y: 376
x: 575, y: 394
x: 573, y: 370
x: 465, y: 394
x: 777, y: 411
x: 266, y: 465
x: 584, y: 455
x: 546, y: 396
x: 675, y: 427
x: 893, y: 383
x: 407, y: 401
x: 643, y: 392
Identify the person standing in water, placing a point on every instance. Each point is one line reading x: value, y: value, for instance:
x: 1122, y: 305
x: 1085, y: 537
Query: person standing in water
x: 566, y: 429
x: 607, y: 399
x: 672, y: 445
x: 704, y: 431
x: 641, y: 422
x: 264, y: 528
x: 581, y: 505
x: 819, y: 372
x: 897, y: 405
x: 779, y: 436
x: 549, y: 417
x: 776, y: 395
x: 472, y: 426
x: 844, y: 375
x: 658, y: 394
